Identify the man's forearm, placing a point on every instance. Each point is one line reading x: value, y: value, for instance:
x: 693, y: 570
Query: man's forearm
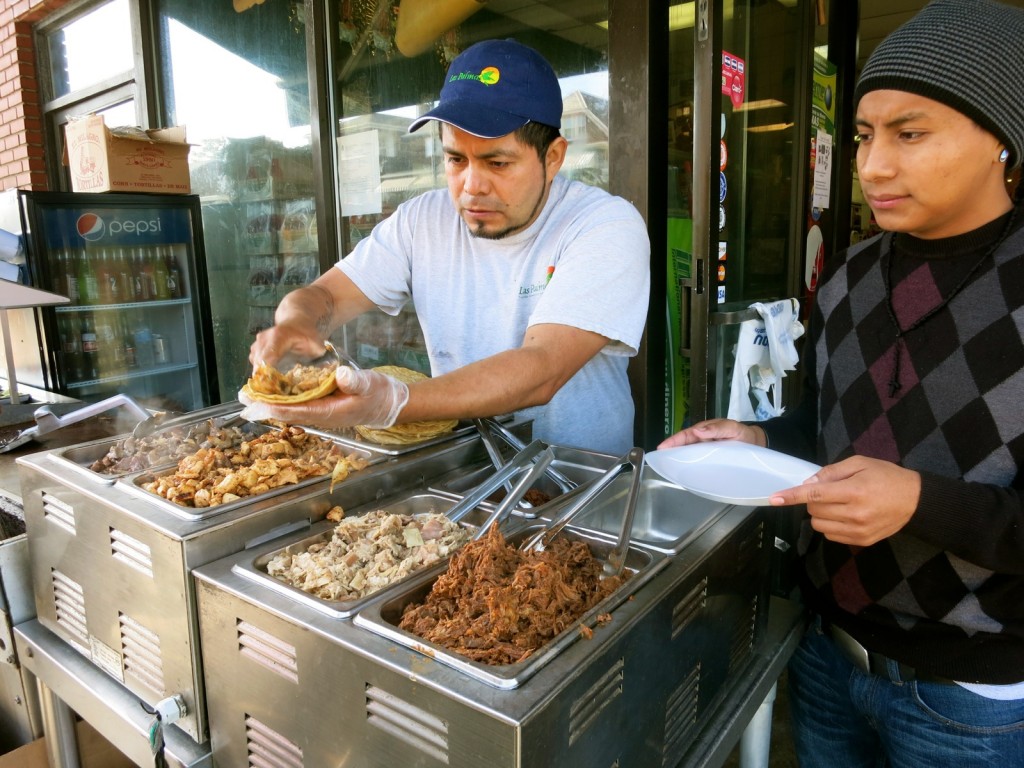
x: 310, y: 307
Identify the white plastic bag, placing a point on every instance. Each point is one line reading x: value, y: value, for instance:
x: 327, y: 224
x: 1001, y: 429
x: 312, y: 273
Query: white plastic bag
x: 764, y: 352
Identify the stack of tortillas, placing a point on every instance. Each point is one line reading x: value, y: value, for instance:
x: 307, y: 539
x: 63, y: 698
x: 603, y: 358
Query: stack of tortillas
x: 414, y: 431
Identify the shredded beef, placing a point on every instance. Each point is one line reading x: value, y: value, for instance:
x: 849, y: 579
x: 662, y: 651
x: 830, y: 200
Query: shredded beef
x: 496, y: 605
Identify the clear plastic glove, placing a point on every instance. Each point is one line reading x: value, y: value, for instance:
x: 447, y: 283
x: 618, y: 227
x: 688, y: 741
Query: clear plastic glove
x: 365, y: 398
x: 383, y: 397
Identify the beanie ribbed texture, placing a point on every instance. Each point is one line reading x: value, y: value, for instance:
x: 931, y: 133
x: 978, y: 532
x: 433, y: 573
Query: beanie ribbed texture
x: 966, y: 54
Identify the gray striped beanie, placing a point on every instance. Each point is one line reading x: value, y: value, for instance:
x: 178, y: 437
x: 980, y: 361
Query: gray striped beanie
x: 966, y: 54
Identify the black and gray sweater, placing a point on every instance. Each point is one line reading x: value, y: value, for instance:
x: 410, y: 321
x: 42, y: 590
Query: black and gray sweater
x: 946, y: 593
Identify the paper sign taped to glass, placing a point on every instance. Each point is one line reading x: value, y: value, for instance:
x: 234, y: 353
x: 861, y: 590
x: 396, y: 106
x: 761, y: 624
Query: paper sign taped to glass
x: 764, y: 352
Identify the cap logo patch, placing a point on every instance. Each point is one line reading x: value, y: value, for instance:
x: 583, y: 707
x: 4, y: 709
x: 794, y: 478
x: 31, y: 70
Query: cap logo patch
x: 487, y: 76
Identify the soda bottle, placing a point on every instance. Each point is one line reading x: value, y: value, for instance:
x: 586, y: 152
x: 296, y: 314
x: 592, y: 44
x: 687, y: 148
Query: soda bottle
x: 144, y: 346
x: 161, y: 288
x: 71, y: 345
x: 66, y: 277
x: 130, y: 359
x: 140, y: 277
x: 90, y: 348
x: 106, y: 275
x: 147, y: 272
x: 88, y: 285
x: 123, y: 269
x: 106, y: 344
x: 173, y: 274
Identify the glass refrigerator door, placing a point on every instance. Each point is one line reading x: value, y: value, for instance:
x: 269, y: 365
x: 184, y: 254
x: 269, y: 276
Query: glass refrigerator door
x: 135, y: 321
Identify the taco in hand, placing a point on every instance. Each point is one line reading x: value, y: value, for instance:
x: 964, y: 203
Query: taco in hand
x: 299, y: 384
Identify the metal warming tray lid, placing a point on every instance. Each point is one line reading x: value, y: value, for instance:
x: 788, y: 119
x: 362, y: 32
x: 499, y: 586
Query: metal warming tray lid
x: 255, y: 568
x: 382, y: 616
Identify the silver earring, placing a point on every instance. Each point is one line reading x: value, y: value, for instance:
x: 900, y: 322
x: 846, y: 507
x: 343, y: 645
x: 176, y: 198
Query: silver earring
x: 1004, y: 155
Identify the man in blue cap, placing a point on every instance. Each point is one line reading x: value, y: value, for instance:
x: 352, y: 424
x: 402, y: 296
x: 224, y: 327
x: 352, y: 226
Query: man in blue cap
x: 531, y: 290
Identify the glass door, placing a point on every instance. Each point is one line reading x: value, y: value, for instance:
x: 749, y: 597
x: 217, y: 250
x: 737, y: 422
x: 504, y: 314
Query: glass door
x: 740, y: 82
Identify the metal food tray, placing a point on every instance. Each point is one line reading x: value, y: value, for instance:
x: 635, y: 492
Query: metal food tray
x: 667, y: 517
x: 78, y: 458
x: 352, y: 438
x: 383, y: 616
x: 417, y: 504
x: 133, y: 484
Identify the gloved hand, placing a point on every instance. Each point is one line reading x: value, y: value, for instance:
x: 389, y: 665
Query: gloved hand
x: 366, y: 398
x: 383, y: 397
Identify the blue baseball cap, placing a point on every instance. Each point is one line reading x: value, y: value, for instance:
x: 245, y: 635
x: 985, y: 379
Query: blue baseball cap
x: 495, y: 87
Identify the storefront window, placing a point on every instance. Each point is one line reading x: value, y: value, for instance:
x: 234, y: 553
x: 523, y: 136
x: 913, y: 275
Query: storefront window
x: 238, y: 82
x: 90, y: 49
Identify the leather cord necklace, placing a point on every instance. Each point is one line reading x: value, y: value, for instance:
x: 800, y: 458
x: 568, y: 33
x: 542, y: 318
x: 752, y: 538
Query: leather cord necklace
x: 901, y: 332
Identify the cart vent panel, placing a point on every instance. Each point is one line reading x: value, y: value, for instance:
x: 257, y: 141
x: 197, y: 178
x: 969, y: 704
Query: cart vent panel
x: 681, y: 716
x: 69, y: 605
x: 268, y: 651
x: 690, y: 607
x: 585, y: 710
x: 749, y: 546
x: 140, y: 648
x: 401, y: 720
x: 131, y: 552
x: 743, y: 637
x: 269, y: 749
x: 60, y: 513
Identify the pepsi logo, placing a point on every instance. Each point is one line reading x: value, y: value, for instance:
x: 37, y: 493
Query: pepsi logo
x: 90, y: 226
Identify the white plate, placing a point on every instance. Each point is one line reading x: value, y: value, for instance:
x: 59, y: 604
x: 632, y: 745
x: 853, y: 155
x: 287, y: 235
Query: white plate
x: 730, y: 471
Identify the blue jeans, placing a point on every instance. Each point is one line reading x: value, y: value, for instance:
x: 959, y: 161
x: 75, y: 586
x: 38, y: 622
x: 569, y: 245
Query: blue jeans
x: 846, y: 718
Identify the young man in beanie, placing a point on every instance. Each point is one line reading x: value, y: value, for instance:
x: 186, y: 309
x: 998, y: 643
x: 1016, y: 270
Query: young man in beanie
x: 531, y: 290
x: 913, y: 551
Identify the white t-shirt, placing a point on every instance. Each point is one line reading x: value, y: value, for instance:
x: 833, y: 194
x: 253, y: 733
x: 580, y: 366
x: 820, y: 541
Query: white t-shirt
x: 585, y: 262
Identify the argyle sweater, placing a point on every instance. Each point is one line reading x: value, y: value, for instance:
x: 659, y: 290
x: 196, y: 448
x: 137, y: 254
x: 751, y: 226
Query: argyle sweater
x: 946, y: 593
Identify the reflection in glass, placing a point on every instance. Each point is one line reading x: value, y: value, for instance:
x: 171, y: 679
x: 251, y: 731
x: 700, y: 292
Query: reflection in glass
x: 238, y: 81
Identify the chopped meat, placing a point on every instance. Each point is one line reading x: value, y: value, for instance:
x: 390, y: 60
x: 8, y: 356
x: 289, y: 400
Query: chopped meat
x: 134, y: 454
x: 213, y: 476
x: 368, y: 553
x: 537, y: 497
x: 496, y: 605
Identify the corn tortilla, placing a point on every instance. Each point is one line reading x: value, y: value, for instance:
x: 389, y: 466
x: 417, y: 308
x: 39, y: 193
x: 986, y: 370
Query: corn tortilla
x: 412, y: 432
x: 269, y: 385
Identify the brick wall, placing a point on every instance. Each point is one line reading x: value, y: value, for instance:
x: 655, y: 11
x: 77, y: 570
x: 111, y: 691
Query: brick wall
x: 22, y: 150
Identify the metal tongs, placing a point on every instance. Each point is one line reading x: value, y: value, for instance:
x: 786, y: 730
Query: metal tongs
x: 490, y: 428
x: 48, y: 421
x: 616, y: 559
x: 534, y: 452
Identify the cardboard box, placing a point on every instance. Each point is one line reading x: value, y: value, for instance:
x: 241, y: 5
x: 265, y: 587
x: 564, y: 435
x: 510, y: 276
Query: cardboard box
x: 126, y: 160
x: 94, y: 751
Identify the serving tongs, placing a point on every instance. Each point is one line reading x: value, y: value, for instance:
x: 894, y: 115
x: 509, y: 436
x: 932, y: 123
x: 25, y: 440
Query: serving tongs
x: 519, y: 463
x: 491, y: 428
x: 617, y: 558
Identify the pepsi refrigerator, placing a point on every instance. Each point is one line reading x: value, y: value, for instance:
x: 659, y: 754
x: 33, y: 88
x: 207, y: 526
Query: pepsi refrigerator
x: 138, y: 321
